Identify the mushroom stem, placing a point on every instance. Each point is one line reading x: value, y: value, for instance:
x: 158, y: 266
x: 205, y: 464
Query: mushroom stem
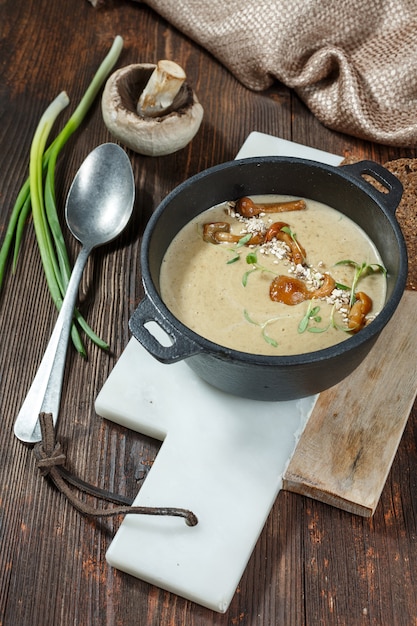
x: 219, y: 232
x: 247, y: 208
x: 162, y: 88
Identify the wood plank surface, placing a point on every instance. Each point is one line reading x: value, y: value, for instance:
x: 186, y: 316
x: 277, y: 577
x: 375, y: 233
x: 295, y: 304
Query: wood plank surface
x: 347, y: 448
x: 313, y: 564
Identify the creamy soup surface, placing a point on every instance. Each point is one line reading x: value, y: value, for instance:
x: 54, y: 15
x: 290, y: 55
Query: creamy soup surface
x: 208, y: 289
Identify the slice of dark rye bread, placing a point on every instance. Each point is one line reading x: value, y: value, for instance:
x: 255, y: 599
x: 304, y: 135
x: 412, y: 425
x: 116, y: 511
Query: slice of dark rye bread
x: 406, y: 171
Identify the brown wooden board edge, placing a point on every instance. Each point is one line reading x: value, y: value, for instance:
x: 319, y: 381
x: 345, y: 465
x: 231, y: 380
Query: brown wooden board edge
x: 298, y: 484
x: 321, y: 436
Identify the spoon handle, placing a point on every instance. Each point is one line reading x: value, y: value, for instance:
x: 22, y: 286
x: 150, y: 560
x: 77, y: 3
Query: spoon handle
x: 44, y: 394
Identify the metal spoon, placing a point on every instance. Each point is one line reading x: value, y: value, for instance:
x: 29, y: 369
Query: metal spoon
x: 99, y: 205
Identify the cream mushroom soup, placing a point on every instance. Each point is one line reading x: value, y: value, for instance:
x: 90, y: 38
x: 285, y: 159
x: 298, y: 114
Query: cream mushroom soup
x: 275, y: 279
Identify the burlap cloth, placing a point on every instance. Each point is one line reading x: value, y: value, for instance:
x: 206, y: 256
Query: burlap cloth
x: 353, y: 62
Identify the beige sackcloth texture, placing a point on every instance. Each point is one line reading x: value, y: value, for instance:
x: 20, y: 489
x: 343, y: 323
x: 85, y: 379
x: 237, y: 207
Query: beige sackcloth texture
x: 353, y: 62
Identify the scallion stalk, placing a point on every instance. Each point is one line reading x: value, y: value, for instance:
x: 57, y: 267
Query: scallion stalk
x: 40, y: 198
x: 36, y: 191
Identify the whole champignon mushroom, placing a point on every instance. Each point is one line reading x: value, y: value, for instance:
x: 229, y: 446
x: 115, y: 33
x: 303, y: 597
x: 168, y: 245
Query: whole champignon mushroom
x: 150, y: 108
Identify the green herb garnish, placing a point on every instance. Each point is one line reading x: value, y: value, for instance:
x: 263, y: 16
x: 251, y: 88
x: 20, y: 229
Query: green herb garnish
x: 287, y: 229
x: 263, y: 325
x: 233, y: 259
x: 312, y: 314
x: 342, y: 287
x: 361, y: 270
x: 334, y: 324
x: 242, y: 242
x: 252, y: 259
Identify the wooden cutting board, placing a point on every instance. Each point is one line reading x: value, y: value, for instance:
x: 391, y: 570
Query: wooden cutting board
x: 347, y: 447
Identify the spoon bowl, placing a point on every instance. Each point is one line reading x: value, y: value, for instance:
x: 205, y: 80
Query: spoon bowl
x: 100, y: 199
x: 99, y: 205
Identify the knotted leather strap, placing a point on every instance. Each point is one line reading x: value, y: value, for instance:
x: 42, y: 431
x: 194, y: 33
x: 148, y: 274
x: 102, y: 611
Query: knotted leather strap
x: 51, y: 460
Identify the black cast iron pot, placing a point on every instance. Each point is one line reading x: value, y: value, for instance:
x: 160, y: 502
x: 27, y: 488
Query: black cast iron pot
x: 257, y: 376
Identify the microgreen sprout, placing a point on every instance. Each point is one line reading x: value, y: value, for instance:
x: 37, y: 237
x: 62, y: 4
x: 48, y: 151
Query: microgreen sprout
x: 242, y: 242
x: 342, y: 287
x: 361, y: 270
x: 334, y: 324
x: 312, y: 314
x: 287, y: 229
x: 272, y: 342
x: 252, y: 259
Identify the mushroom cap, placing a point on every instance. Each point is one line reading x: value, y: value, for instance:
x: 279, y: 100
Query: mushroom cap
x: 151, y: 136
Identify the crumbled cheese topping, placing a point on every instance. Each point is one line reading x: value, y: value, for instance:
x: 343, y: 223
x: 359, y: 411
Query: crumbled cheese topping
x: 311, y: 276
x: 276, y: 248
x: 252, y: 225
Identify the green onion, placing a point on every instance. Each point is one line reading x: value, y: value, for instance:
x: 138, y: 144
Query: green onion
x: 40, y: 217
x: 38, y: 194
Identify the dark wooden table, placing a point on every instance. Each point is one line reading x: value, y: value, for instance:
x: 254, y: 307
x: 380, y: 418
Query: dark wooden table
x: 313, y: 564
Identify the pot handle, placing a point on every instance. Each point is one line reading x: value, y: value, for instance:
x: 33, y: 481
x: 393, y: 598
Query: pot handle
x: 394, y: 189
x: 179, y: 348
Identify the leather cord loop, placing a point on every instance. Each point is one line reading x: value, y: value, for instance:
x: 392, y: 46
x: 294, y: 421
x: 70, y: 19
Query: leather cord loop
x: 51, y: 459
